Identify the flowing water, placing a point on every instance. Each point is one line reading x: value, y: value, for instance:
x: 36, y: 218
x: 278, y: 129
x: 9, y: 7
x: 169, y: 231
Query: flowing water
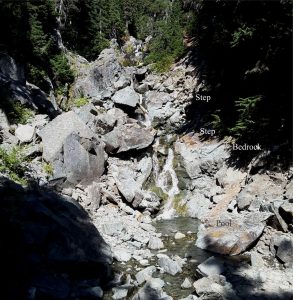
x: 166, y: 180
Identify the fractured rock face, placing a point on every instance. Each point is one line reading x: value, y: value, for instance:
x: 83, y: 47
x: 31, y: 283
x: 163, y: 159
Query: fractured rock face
x: 98, y: 79
x: 231, y: 234
x: 262, y: 188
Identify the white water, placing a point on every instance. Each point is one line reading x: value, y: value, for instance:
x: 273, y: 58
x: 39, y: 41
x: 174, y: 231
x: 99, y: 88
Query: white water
x: 162, y: 180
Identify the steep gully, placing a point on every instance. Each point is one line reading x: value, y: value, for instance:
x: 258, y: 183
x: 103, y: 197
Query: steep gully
x: 160, y: 192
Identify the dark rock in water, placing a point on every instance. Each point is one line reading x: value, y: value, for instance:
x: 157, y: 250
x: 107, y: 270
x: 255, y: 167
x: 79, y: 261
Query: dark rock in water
x: 48, y: 245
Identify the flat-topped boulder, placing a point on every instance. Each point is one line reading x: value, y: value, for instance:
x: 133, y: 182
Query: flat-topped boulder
x: 128, y: 137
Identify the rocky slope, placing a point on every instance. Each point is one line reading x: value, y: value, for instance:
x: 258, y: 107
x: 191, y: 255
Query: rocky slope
x: 120, y: 158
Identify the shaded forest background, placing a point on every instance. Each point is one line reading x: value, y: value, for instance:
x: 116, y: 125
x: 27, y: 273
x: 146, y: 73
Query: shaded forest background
x: 242, y: 51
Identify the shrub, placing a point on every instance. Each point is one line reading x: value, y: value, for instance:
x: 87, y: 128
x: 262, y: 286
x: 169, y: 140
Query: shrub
x: 13, y: 164
x: 48, y: 169
x: 18, y: 113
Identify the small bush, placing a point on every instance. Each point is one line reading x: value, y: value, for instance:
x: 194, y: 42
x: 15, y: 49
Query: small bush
x: 48, y: 169
x: 12, y: 162
x: 17, y: 113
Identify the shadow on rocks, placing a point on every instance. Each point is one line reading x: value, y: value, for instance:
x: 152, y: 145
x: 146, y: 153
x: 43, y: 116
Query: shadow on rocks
x: 237, y: 285
x: 49, y: 248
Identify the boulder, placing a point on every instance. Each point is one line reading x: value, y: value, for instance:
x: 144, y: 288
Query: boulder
x: 211, y: 266
x: 25, y: 133
x: 72, y: 148
x: 119, y: 293
x: 231, y: 234
x: 168, y: 265
x: 214, y: 287
x: 197, y: 205
x: 158, y: 106
x: 54, y: 134
x: 179, y: 236
x: 127, y: 137
x: 282, y: 245
x: 152, y: 290
x: 126, y: 96
x: 145, y: 274
x: 83, y: 163
x: 289, y: 190
x: 187, y: 284
x: 155, y: 243
x: 121, y: 254
x: 127, y: 185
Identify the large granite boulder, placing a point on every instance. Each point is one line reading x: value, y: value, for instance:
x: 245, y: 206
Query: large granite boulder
x: 73, y: 150
x: 231, y: 234
x: 127, y: 137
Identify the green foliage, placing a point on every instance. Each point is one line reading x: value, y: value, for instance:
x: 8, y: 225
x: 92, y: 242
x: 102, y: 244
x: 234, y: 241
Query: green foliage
x: 18, y: 113
x: 48, y: 169
x: 12, y: 162
x: 79, y: 102
x: 243, y: 56
x: 61, y: 69
x: 247, y: 108
x: 242, y: 34
x: 167, y: 44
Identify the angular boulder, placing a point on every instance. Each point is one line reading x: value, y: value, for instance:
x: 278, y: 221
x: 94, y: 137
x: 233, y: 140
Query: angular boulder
x: 231, y: 234
x: 25, y: 133
x: 73, y: 150
x: 54, y: 134
x: 127, y: 137
x: 126, y: 96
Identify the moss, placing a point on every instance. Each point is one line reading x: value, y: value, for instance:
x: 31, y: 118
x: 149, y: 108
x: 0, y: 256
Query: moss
x: 79, y: 102
x: 48, y: 169
x: 12, y: 162
x: 180, y: 207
